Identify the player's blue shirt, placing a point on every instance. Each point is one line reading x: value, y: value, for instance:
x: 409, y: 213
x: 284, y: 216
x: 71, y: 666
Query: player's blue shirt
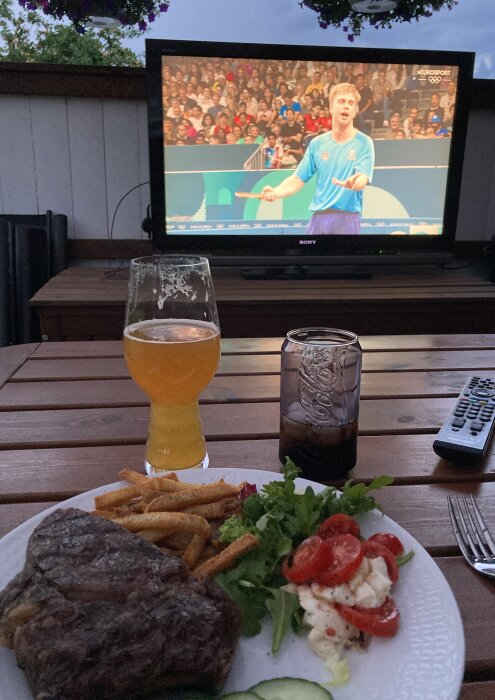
x: 329, y: 159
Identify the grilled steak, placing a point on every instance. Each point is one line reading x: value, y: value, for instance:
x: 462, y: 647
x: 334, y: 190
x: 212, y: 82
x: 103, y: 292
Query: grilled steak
x: 98, y: 613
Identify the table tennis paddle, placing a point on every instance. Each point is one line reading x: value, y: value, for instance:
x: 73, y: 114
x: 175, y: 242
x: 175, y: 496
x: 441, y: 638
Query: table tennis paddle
x: 249, y: 195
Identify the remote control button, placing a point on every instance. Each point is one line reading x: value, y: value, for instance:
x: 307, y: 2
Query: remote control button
x: 483, y: 393
x: 477, y: 425
x: 458, y: 422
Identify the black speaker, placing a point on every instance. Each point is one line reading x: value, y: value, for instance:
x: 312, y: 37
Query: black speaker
x: 7, y: 300
x: 58, y: 244
x: 33, y: 248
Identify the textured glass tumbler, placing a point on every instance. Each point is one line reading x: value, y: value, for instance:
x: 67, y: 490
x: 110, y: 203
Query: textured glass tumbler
x: 319, y: 401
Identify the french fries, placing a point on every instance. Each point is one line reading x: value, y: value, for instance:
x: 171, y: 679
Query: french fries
x: 173, y: 522
x: 194, y: 550
x: 116, y: 498
x: 193, y: 497
x: 182, y: 519
x: 227, y: 557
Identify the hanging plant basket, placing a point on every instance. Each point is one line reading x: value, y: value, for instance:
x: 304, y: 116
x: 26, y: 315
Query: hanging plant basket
x: 354, y: 15
x: 101, y: 13
x: 351, y: 15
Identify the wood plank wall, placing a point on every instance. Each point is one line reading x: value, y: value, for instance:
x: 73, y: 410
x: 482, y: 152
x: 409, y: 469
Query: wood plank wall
x: 66, y: 145
x: 76, y: 156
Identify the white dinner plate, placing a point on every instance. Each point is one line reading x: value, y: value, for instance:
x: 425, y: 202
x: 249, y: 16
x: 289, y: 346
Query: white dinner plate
x: 424, y: 661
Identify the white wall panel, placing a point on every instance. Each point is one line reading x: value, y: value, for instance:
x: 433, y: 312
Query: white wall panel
x: 144, y: 160
x: 17, y: 172
x: 122, y: 166
x: 87, y: 157
x: 52, y: 156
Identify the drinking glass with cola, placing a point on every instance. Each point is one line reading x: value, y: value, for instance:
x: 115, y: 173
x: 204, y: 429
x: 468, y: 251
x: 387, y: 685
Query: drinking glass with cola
x: 319, y: 401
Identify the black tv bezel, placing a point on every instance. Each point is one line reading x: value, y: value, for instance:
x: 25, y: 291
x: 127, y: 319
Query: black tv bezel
x: 259, y: 247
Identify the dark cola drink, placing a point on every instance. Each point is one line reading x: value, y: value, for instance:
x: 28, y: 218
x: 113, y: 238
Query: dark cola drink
x: 322, y: 453
x: 319, y: 401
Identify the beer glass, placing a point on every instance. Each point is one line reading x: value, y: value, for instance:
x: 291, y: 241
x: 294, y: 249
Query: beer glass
x: 172, y: 349
x: 319, y: 401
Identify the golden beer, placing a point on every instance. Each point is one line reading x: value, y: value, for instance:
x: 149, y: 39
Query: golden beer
x: 173, y: 360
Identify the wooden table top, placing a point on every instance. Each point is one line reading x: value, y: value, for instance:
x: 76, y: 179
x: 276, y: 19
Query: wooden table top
x: 71, y: 418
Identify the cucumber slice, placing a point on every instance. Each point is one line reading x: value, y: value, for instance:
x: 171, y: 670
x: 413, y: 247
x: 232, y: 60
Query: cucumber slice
x: 290, y: 689
x: 248, y: 695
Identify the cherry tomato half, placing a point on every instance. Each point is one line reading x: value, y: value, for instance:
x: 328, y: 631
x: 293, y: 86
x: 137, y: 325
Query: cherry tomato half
x: 389, y: 541
x: 339, y: 524
x: 308, y: 560
x: 346, y: 554
x: 374, y: 549
x: 380, y: 622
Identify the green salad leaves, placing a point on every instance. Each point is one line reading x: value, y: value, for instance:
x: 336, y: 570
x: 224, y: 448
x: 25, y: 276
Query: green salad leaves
x: 281, y: 517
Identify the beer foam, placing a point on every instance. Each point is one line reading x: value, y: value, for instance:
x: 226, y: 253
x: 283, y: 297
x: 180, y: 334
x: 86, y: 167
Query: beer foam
x: 166, y: 330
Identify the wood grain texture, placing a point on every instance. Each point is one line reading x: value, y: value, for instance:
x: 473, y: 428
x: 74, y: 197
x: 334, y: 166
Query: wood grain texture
x: 478, y: 691
x: 11, y: 358
x: 115, y: 367
x: 72, y: 469
x: 425, y: 301
x: 97, y: 426
x: 262, y: 346
x: 474, y: 595
x: 74, y: 393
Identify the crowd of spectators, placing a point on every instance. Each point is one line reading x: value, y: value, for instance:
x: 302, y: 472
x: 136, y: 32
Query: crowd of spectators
x: 282, y: 105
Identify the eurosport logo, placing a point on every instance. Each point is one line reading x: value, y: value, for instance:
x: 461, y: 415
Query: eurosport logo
x: 434, y: 75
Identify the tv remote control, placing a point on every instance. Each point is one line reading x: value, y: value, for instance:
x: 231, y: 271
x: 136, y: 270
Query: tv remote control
x: 465, y: 435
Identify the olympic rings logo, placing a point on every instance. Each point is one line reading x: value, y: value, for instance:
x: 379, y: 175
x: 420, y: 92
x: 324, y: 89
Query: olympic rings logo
x: 434, y: 79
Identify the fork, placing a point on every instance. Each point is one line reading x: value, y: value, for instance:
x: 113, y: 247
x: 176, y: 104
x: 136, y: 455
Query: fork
x: 474, y: 539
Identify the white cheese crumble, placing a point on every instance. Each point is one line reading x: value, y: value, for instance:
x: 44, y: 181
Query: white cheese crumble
x: 330, y: 633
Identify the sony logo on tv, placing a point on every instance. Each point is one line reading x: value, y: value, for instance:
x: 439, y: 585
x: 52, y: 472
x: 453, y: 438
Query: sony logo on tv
x: 306, y: 241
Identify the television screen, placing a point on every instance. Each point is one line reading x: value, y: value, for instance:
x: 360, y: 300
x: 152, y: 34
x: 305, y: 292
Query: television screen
x: 315, y: 150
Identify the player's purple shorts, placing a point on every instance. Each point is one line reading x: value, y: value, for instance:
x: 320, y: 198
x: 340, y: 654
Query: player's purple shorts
x: 340, y: 223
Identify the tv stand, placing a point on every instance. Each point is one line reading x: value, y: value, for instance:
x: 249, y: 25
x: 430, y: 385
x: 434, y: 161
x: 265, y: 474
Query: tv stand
x: 87, y: 303
x: 306, y: 272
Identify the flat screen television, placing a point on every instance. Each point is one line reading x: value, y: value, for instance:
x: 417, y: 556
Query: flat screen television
x: 302, y: 156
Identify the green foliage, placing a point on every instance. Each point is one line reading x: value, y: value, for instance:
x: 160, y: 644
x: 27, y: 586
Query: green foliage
x: 127, y: 12
x: 27, y: 37
x: 338, y: 13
